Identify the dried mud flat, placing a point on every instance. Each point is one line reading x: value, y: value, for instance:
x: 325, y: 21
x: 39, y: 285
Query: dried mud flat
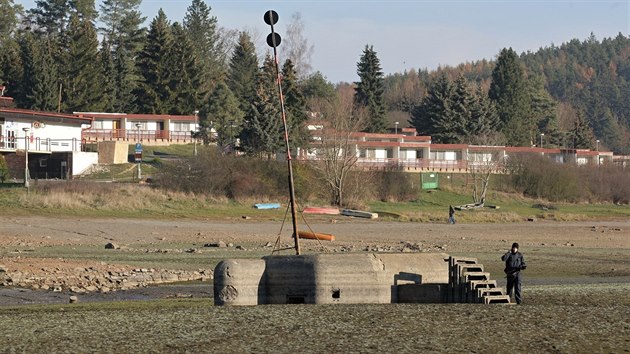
x: 577, y: 292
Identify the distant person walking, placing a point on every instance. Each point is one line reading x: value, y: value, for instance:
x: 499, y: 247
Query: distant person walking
x: 451, y: 214
x: 514, y: 263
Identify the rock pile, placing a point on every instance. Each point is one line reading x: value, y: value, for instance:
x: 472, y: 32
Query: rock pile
x: 82, y: 280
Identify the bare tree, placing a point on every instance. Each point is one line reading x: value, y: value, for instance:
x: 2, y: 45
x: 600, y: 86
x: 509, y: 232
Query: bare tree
x: 298, y: 48
x: 483, y: 162
x: 334, y: 144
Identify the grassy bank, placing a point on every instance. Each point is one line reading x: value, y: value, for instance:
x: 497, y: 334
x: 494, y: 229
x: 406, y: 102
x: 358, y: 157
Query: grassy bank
x: 130, y: 200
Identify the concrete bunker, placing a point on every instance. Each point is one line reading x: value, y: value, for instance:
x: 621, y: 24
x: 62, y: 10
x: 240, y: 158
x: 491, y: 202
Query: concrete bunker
x: 350, y: 279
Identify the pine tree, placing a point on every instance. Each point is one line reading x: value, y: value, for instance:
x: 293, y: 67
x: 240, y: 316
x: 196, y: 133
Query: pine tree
x: 435, y: 115
x: 369, y: 90
x: 463, y: 104
x: 84, y: 9
x: 9, y: 13
x: 11, y: 69
x: 581, y: 134
x: 127, y: 82
x: 123, y: 25
x: 202, y: 30
x: 154, y: 92
x: 185, y: 74
x: 222, y: 113
x: 38, y: 87
x: 482, y: 127
x: 51, y: 16
x: 109, y: 87
x: 83, y: 86
x: 543, y: 112
x: 122, y: 29
x: 295, y: 105
x: 508, y: 90
x: 243, y: 72
x: 263, y: 130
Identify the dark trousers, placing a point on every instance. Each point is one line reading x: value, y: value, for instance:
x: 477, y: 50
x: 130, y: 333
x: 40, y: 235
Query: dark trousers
x: 514, y: 282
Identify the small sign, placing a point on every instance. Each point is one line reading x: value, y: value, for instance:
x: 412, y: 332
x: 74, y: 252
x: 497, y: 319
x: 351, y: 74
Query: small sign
x: 138, y: 148
x: 138, y: 156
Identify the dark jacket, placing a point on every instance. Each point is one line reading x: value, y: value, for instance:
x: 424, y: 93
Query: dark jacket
x: 514, y: 262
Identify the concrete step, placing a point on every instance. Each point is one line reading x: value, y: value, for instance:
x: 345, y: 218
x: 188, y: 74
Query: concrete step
x: 477, y: 284
x: 482, y: 293
x: 471, y: 276
x: 464, y: 260
x: 496, y: 299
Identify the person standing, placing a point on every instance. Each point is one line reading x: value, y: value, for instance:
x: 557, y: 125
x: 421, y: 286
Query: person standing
x: 451, y: 214
x: 514, y: 263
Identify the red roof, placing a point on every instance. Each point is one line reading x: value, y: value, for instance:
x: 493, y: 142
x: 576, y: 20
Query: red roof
x: 39, y: 115
x: 139, y: 117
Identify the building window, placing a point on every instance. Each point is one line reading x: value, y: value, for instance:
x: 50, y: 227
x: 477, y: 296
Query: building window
x: 97, y: 124
x: 181, y: 127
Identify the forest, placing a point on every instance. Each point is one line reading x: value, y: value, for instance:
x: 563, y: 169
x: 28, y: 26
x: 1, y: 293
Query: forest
x: 68, y: 56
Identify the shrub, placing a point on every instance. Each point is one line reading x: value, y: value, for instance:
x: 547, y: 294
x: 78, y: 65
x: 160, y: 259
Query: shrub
x: 4, y: 169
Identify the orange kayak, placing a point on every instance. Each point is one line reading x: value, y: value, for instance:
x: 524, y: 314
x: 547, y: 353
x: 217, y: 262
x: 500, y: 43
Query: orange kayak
x: 316, y: 236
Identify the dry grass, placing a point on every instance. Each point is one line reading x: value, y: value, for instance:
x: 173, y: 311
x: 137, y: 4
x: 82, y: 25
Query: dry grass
x: 563, y: 320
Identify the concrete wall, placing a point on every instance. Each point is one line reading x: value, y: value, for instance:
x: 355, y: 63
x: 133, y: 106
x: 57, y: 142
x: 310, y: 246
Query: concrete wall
x: 81, y: 161
x: 239, y: 282
x: 331, y: 278
x: 112, y: 152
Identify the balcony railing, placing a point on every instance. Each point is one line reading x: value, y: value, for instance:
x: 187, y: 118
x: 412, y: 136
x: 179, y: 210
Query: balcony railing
x: 40, y: 145
x: 95, y: 135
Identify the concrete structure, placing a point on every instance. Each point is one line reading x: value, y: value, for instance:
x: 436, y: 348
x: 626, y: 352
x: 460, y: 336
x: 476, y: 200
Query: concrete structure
x: 347, y: 279
x: 113, y: 152
x: 53, y: 142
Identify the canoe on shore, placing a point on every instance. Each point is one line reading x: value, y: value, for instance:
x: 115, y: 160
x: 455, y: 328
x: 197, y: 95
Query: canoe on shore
x: 316, y: 236
x: 267, y: 206
x: 321, y: 210
x: 359, y: 213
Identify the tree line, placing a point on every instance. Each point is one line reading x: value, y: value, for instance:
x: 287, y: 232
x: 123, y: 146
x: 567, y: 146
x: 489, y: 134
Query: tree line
x: 575, y: 94
x: 51, y: 59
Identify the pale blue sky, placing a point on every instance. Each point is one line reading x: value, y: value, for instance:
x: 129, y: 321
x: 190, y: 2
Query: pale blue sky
x: 414, y: 33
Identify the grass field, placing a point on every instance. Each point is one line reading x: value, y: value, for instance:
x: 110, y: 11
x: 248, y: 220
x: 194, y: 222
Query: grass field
x: 564, y: 319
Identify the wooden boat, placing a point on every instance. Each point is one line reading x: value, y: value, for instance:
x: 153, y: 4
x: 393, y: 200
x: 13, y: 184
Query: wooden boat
x: 316, y: 236
x: 321, y: 210
x: 359, y: 213
x: 267, y: 206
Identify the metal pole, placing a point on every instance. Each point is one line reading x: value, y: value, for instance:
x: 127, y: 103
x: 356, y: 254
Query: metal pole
x: 286, y: 139
x: 26, y: 174
x: 139, y: 162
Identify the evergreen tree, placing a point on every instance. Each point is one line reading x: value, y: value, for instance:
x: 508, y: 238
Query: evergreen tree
x: 581, y: 134
x: 51, y: 16
x: 123, y: 25
x: 83, y: 86
x: 154, y: 92
x: 222, y: 113
x: 109, y: 87
x: 295, y: 105
x: 243, y: 72
x: 263, y: 130
x: 9, y: 20
x: 202, y: 30
x: 484, y: 120
x: 543, y: 112
x: 508, y: 90
x: 185, y: 74
x: 124, y: 32
x: 38, y: 87
x: 369, y: 90
x: 435, y: 115
x: 126, y: 82
x: 463, y: 104
x: 11, y: 69
x: 316, y: 86
x: 84, y: 9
